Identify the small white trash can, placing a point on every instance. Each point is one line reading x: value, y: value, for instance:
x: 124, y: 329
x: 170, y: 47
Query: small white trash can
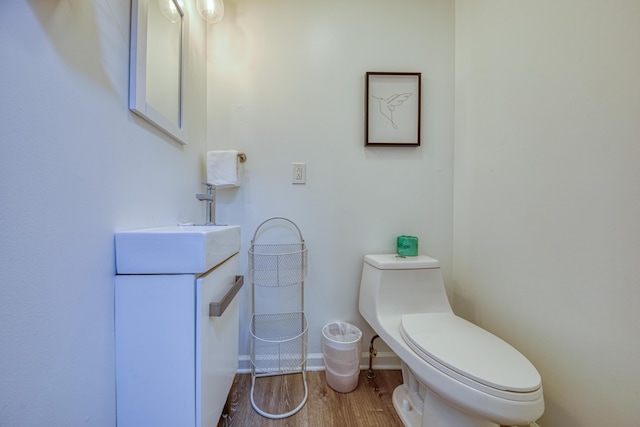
x: 341, y: 352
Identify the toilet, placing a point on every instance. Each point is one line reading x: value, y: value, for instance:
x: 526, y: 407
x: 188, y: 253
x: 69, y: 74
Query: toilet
x: 455, y: 374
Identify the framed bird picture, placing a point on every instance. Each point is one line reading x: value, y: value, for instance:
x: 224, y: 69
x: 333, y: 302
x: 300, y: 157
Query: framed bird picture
x: 392, y: 109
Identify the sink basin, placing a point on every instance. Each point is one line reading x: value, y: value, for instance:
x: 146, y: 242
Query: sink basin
x: 175, y: 249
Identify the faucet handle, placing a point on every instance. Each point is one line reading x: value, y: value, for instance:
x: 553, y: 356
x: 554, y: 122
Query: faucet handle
x: 209, y: 196
x: 210, y: 187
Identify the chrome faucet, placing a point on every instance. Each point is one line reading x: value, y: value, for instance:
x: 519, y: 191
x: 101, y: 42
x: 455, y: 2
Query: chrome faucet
x: 210, y: 200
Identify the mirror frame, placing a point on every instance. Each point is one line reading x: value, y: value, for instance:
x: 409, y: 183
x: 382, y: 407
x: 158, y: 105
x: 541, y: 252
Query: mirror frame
x: 138, y: 72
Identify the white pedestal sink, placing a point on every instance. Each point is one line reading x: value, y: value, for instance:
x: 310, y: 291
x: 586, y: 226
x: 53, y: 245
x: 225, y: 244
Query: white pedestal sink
x: 175, y: 249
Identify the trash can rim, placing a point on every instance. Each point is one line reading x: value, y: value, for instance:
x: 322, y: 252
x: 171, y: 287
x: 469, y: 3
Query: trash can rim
x: 356, y: 331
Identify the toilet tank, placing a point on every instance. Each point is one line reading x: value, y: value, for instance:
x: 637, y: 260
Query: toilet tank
x: 391, y: 285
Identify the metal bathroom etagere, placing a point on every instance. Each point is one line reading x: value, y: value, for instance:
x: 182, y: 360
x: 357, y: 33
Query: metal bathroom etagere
x: 278, y: 338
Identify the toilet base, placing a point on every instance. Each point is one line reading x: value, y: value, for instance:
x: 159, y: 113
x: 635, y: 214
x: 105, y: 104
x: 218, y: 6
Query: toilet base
x: 417, y: 406
x: 409, y: 414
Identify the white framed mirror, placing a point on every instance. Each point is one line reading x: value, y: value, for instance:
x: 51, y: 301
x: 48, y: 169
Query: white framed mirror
x: 159, y: 35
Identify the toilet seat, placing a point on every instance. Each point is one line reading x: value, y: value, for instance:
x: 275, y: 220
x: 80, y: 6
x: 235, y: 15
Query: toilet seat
x: 470, y: 354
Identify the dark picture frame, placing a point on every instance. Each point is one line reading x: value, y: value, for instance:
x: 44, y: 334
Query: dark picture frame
x: 392, y: 109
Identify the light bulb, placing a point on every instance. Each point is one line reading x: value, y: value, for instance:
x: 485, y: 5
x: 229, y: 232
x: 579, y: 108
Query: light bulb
x: 211, y: 11
x: 170, y: 10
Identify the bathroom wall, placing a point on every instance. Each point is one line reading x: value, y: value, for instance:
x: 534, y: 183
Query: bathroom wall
x: 76, y: 166
x: 547, y: 166
x: 286, y: 84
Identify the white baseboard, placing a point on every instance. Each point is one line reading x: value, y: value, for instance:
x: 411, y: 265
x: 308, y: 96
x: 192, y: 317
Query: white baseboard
x: 385, y: 360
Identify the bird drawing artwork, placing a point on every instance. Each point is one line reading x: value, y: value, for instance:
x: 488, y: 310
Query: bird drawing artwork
x: 388, y: 105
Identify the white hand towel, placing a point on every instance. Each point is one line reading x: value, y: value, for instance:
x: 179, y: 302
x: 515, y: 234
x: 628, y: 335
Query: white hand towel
x: 222, y: 168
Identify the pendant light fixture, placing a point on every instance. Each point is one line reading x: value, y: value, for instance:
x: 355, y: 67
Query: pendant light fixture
x: 211, y: 11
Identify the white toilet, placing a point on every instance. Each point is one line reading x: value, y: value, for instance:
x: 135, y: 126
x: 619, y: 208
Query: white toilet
x: 455, y: 373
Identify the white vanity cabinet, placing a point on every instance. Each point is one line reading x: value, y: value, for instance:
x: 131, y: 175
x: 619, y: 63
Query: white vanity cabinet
x: 176, y: 355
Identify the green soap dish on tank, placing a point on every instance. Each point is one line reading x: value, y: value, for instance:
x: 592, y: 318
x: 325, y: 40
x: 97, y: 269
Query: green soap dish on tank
x: 407, y: 246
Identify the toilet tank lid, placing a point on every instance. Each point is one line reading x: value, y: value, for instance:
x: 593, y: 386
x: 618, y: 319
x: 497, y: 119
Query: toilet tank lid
x: 396, y: 262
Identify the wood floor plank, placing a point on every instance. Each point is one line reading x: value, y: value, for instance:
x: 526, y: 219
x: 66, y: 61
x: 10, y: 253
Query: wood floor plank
x: 369, y: 405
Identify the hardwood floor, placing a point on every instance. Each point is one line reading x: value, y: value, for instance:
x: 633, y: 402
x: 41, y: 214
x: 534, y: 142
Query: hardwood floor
x: 368, y: 405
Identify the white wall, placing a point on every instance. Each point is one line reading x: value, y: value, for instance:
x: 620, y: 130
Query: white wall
x: 547, y: 161
x: 76, y: 166
x: 286, y: 84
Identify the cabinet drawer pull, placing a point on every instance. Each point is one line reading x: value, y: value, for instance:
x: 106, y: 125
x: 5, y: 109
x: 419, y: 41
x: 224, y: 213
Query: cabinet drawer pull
x: 217, y: 308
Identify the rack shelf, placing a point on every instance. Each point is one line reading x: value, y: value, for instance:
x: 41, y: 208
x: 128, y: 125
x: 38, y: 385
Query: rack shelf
x: 279, y: 264
x: 278, y: 339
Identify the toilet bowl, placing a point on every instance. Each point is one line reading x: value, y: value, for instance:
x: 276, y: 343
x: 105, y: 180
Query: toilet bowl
x: 455, y: 374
